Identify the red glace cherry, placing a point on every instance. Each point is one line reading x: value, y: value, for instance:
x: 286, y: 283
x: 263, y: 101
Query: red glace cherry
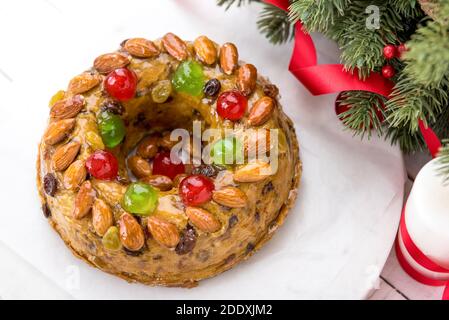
x: 102, y: 165
x: 121, y: 84
x: 231, y: 105
x: 163, y: 165
x: 196, y: 190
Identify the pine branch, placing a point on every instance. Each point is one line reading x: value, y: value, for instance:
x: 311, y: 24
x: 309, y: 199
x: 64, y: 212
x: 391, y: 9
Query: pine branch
x: 229, y: 3
x: 443, y: 161
x: 365, y: 112
x: 275, y: 25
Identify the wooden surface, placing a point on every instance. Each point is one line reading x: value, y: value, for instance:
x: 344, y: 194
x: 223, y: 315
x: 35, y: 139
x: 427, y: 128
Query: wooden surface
x: 394, y: 283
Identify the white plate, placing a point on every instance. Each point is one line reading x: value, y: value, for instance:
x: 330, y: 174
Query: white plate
x: 336, y: 239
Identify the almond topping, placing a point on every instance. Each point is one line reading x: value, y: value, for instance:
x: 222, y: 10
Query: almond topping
x: 246, y: 79
x: 203, y: 219
x: 102, y: 217
x: 83, y: 83
x: 131, y: 233
x: 175, y: 46
x: 261, y: 111
x: 110, y: 61
x: 75, y: 175
x: 205, y: 50
x: 64, y: 155
x: 165, y: 233
x: 67, y: 108
x: 141, y: 48
x: 229, y: 58
x: 84, y: 200
x: 58, y: 131
x: 230, y: 197
x: 253, y: 172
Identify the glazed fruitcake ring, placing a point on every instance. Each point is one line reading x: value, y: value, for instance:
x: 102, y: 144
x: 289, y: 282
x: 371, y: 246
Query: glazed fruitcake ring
x: 126, y: 198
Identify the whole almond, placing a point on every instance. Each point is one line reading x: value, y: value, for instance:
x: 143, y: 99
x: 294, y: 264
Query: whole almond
x: 161, y: 182
x: 84, y: 200
x: 147, y: 148
x: 74, y: 175
x: 141, y: 48
x: 205, y: 50
x: 131, y: 233
x: 110, y: 61
x: 261, y: 111
x: 246, y: 79
x: 203, y: 219
x: 102, y: 218
x: 175, y: 46
x: 166, y: 142
x: 253, y: 172
x: 139, y: 166
x: 164, y: 232
x: 67, y: 108
x: 230, y: 197
x: 257, y: 142
x: 58, y: 131
x: 64, y: 155
x: 83, y: 83
x: 229, y: 58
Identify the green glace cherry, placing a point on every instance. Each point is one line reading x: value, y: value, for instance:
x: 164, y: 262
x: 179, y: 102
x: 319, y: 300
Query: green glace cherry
x: 227, y: 151
x: 189, y: 78
x: 112, y: 129
x: 140, y: 198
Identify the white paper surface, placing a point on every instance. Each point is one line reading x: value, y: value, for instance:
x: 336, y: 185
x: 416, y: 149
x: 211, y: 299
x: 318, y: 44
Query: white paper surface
x: 336, y: 239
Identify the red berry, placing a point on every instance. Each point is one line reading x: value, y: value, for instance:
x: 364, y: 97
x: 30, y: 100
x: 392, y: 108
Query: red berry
x: 388, y: 71
x: 102, y: 165
x: 231, y: 105
x: 196, y: 190
x: 390, y: 51
x: 401, y: 49
x: 121, y: 84
x: 163, y: 165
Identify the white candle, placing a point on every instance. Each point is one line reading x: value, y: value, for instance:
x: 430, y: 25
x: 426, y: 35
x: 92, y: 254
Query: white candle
x: 427, y: 214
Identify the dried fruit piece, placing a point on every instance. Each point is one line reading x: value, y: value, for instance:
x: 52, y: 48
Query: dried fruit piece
x: 246, y: 79
x: 83, y: 82
x: 212, y: 87
x: 203, y: 219
x: 140, y: 198
x: 165, y: 233
x: 231, y: 105
x: 253, y: 172
x: 141, y: 48
x: 74, y: 175
x: 46, y: 210
x: 231, y: 197
x: 111, y: 239
x: 64, y: 155
x: 205, y: 50
x: 50, y: 184
x: 147, y: 148
x: 210, y: 171
x: 112, y: 106
x: 67, y: 108
x: 84, y: 200
x: 121, y: 84
x: 227, y: 151
x: 271, y: 90
x: 56, y: 97
x: 139, y: 166
x: 161, y: 91
x: 102, y: 218
x: 94, y: 140
x: 110, y: 61
x: 161, y: 182
x: 196, y: 190
x: 58, y: 131
x: 102, y: 165
x: 131, y: 233
x: 112, y: 129
x: 228, y: 58
x: 187, y: 241
x: 261, y: 111
x: 168, y: 165
x: 189, y: 78
x: 175, y: 46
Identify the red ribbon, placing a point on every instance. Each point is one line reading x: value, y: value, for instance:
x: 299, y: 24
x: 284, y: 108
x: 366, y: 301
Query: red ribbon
x: 420, y: 258
x: 333, y: 78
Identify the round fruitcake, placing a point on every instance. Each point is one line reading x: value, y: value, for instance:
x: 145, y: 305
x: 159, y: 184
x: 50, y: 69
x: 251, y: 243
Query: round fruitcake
x: 132, y: 196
